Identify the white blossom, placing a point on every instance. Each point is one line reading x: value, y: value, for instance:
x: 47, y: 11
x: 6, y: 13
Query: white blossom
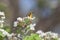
x: 41, y: 33
x: 1, y: 21
x: 48, y: 33
x: 18, y: 35
x: 51, y: 34
x: 15, y: 23
x: 54, y: 35
x: 2, y: 30
x: 10, y: 36
x: 5, y: 33
x: 3, y: 17
x: 32, y: 26
x: 2, y: 14
x: 20, y: 19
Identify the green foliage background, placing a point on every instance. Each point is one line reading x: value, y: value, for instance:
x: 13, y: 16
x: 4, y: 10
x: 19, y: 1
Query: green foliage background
x: 33, y: 37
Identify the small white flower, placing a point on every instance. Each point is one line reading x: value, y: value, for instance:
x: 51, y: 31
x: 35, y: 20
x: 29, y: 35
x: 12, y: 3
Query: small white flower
x: 15, y: 23
x: 2, y: 14
x: 2, y: 30
x: 33, y: 18
x: 48, y: 33
x: 32, y: 26
x: 54, y: 35
x: 18, y: 35
x: 5, y: 33
x: 10, y: 35
x: 41, y: 33
x: 3, y: 17
x: 1, y: 21
x: 20, y: 19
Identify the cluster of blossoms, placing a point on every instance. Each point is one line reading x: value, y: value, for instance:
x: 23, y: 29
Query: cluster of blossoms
x: 5, y: 33
x: 25, y: 22
x: 24, y: 25
x: 2, y: 17
x: 48, y: 35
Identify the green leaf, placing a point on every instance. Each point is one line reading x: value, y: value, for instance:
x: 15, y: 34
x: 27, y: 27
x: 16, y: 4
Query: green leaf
x: 55, y: 38
x: 1, y: 34
x: 27, y: 21
x: 18, y: 31
x: 7, y: 28
x: 33, y: 37
x: 27, y: 28
x: 1, y: 38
